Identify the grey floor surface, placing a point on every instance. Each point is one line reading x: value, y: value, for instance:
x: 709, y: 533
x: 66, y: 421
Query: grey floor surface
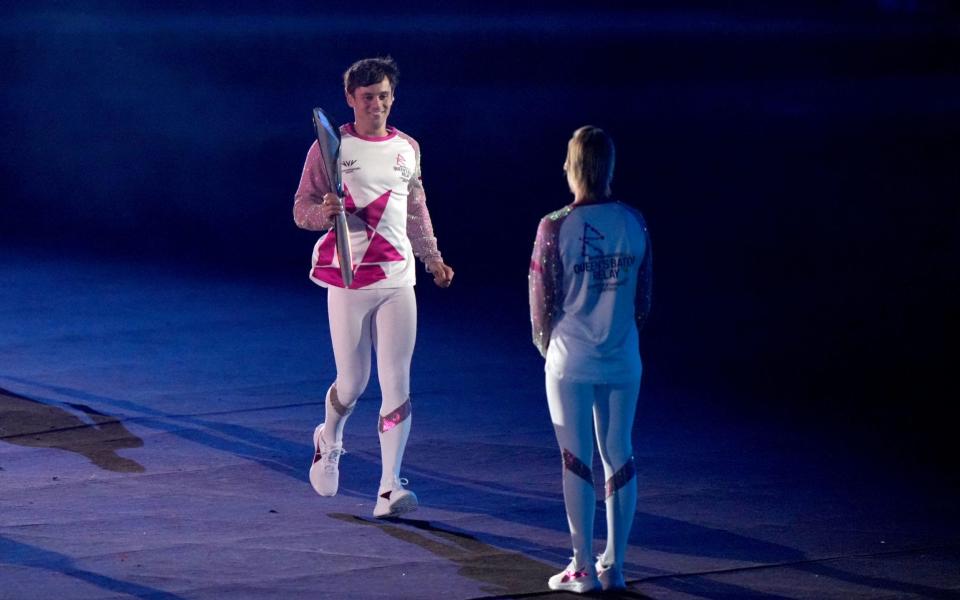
x: 155, y: 438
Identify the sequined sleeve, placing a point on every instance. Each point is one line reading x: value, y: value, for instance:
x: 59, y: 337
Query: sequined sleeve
x: 645, y: 284
x: 313, y: 185
x: 419, y: 225
x: 545, y: 280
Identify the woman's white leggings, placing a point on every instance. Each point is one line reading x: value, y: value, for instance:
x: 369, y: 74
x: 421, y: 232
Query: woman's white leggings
x: 385, y: 321
x: 577, y: 409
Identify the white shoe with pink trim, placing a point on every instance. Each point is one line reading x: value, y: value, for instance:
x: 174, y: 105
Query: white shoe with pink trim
x: 325, y: 470
x: 578, y: 580
x: 395, y: 501
x: 610, y: 576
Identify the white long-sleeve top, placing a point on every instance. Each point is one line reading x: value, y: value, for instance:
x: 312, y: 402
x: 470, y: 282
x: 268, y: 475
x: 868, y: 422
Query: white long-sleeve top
x: 590, y: 288
x: 385, y: 205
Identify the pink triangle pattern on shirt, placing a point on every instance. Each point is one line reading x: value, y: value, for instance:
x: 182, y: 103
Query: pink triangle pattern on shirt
x: 380, y: 250
x: 366, y: 275
x: 373, y: 212
x: 329, y: 275
x: 327, y: 247
x: 348, y: 204
x: 363, y: 275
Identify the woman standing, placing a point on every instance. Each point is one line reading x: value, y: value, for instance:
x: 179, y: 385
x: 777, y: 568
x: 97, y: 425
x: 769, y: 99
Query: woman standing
x: 590, y: 290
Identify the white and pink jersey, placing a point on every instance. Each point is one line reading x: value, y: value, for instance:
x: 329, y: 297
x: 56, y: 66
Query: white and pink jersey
x: 590, y: 287
x: 386, y: 211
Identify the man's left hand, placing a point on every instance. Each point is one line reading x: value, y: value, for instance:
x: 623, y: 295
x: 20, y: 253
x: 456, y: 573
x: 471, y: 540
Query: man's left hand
x: 442, y: 273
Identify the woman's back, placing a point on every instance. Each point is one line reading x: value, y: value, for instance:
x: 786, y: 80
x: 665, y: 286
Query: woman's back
x: 601, y: 249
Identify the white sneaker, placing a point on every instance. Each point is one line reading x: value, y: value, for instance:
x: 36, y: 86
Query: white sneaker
x: 578, y: 581
x: 325, y: 470
x: 610, y: 576
x: 395, y: 502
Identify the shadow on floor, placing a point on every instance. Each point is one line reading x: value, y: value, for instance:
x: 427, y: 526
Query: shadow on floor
x: 14, y: 553
x: 509, y: 565
x: 35, y: 424
x: 267, y: 450
x: 498, y: 570
x: 708, y: 584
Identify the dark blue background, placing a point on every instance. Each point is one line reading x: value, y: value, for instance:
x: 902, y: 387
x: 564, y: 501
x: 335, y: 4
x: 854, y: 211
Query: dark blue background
x: 798, y: 168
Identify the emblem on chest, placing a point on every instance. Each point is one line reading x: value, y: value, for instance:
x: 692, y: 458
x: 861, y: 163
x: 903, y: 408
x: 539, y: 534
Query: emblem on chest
x: 400, y: 166
x: 348, y: 166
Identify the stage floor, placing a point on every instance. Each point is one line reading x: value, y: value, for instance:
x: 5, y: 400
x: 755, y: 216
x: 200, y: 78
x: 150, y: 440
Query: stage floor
x: 156, y: 435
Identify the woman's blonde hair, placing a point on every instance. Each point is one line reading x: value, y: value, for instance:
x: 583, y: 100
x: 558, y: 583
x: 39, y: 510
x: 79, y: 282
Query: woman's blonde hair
x: 590, y: 160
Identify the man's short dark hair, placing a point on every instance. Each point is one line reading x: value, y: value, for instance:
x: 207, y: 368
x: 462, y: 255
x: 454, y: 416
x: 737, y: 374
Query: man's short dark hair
x: 371, y: 71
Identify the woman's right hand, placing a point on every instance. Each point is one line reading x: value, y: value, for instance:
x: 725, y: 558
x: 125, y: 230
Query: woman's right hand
x: 330, y: 207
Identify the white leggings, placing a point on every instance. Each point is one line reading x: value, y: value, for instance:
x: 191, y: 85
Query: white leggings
x: 577, y: 410
x: 383, y: 320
